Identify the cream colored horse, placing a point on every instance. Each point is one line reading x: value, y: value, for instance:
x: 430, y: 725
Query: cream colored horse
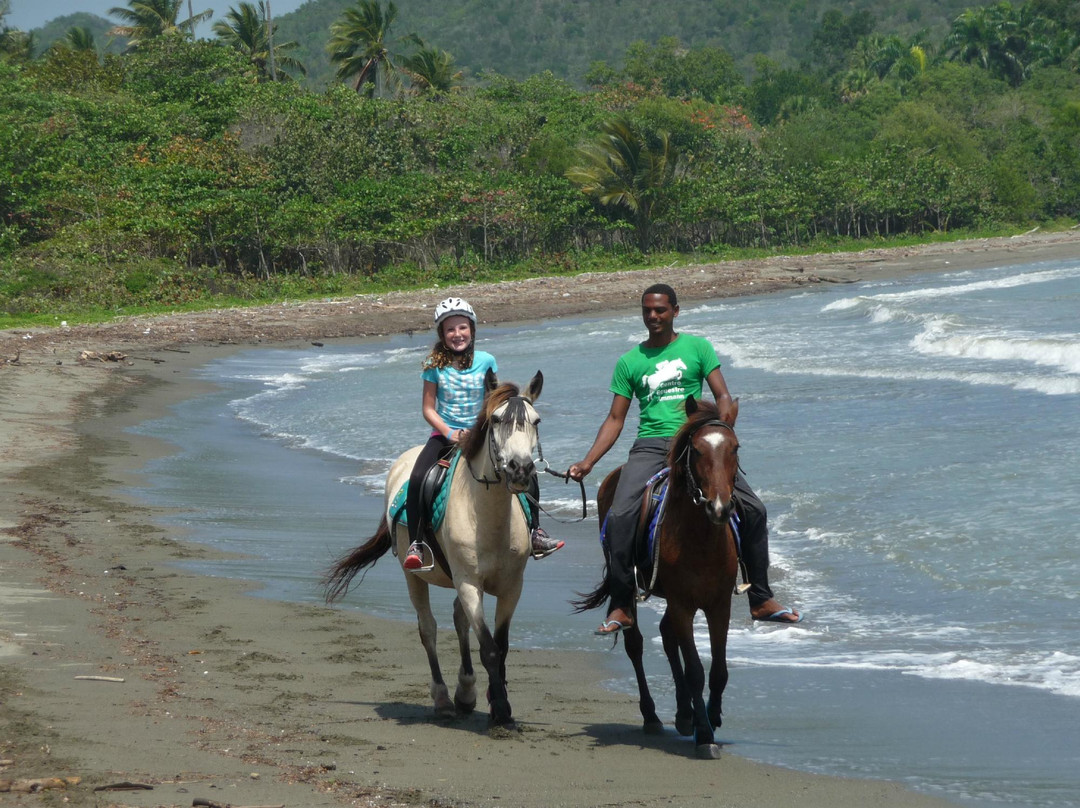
x: 484, y: 539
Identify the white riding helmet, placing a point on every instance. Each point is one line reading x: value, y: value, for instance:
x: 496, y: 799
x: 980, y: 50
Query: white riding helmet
x: 452, y: 306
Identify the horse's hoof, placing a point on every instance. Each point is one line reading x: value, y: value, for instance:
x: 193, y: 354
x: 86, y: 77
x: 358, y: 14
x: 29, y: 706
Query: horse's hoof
x: 444, y: 708
x: 653, y: 727
x: 707, y: 751
x: 684, y: 726
x: 465, y: 707
x: 505, y: 731
x: 445, y: 711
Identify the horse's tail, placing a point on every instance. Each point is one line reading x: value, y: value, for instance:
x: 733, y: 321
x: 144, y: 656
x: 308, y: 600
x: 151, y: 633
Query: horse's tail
x: 595, y: 599
x: 337, y: 580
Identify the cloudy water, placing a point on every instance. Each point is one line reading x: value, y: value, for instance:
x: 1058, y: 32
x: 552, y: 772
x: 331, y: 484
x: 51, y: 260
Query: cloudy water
x: 915, y: 441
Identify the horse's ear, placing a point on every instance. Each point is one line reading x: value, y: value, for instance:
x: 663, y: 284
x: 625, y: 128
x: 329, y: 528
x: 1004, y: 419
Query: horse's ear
x: 536, y: 384
x: 691, y: 406
x: 491, y: 381
x: 729, y: 413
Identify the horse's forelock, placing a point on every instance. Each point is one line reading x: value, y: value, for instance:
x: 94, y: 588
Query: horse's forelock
x: 492, y: 401
x: 706, y: 411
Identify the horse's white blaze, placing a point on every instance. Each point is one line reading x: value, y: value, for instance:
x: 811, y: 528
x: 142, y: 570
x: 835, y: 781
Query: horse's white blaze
x: 714, y: 439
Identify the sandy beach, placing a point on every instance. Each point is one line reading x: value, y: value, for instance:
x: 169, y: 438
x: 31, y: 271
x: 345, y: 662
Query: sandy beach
x: 127, y: 681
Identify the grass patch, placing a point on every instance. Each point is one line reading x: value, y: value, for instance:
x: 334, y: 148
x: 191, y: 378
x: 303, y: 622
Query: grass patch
x: 37, y: 294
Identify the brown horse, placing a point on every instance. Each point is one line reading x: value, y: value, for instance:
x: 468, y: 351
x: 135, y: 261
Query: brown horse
x: 696, y: 570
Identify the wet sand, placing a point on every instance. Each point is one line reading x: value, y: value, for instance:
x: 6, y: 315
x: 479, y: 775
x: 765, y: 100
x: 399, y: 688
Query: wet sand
x: 199, y: 692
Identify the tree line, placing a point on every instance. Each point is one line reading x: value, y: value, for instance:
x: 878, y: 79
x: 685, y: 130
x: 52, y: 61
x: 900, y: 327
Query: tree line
x: 181, y: 169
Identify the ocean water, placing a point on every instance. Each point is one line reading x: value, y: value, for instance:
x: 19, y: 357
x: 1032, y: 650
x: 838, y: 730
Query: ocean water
x: 915, y: 441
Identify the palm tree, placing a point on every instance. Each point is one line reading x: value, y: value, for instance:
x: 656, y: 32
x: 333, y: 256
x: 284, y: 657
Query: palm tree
x: 18, y: 45
x: 795, y: 105
x: 79, y: 38
x: 359, y: 44
x: 245, y: 28
x: 627, y: 171
x: 431, y: 70
x: 884, y: 57
x: 147, y: 19
x: 1006, y: 41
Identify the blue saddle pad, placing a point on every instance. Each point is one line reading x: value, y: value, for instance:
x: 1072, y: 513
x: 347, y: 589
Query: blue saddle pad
x: 398, y: 513
x: 656, y: 489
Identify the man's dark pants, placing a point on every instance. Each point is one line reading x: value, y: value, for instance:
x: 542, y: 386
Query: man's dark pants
x: 647, y: 457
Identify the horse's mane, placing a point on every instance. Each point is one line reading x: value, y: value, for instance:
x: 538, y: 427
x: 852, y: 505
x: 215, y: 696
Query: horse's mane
x: 706, y: 411
x: 492, y: 401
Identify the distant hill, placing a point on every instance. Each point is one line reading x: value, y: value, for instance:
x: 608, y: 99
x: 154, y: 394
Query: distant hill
x: 56, y: 29
x: 519, y: 39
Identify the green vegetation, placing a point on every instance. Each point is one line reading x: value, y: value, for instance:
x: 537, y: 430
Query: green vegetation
x: 246, y: 29
x: 176, y: 175
x: 516, y: 40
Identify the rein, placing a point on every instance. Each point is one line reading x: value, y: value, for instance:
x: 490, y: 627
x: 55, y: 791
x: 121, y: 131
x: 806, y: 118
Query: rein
x: 493, y: 456
x: 697, y: 496
x: 565, y: 477
x: 496, y: 463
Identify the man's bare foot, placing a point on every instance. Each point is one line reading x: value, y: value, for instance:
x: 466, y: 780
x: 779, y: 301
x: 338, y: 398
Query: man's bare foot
x: 771, y: 611
x: 616, y: 621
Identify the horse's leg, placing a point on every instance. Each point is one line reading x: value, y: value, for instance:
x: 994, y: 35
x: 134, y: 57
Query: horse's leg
x: 635, y: 646
x: 683, y: 628
x: 684, y: 707
x: 719, y: 620
x: 491, y: 655
x: 465, y: 697
x: 421, y: 601
x: 505, y: 606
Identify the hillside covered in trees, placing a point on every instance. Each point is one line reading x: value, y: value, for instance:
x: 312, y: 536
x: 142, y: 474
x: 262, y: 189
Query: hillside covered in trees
x: 565, y: 37
x: 181, y: 171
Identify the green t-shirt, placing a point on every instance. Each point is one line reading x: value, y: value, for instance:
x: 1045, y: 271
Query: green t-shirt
x: 661, y: 379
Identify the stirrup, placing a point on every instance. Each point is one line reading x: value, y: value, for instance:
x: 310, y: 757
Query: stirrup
x: 744, y: 587
x: 425, y: 554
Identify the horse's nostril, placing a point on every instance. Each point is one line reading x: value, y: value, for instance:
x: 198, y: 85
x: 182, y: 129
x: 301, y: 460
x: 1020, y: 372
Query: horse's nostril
x: 515, y: 466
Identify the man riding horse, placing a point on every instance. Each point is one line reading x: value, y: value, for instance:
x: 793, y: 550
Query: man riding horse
x: 662, y: 372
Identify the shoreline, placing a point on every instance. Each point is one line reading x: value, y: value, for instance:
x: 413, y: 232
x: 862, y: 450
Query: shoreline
x: 241, y: 700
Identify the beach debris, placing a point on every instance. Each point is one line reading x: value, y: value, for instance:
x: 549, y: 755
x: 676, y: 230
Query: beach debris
x: 201, y: 802
x: 125, y: 786
x: 35, y: 784
x: 14, y: 360
x: 108, y: 356
x: 101, y: 678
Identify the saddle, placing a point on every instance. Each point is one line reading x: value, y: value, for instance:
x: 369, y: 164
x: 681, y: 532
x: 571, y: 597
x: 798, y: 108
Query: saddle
x: 647, y: 534
x: 432, y: 505
x: 434, y: 491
